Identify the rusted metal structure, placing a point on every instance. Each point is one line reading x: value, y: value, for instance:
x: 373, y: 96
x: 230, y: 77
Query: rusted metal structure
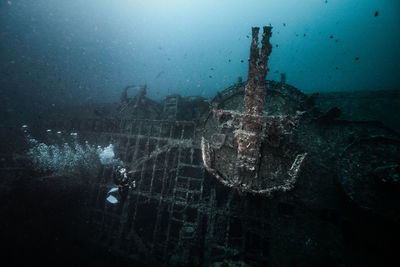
x: 244, y: 143
x: 256, y: 136
x: 178, y: 214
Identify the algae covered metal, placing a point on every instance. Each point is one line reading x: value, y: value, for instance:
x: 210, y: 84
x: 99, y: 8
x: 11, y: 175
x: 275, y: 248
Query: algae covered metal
x: 252, y: 151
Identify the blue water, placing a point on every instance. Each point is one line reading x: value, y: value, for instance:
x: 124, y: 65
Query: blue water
x: 75, y: 51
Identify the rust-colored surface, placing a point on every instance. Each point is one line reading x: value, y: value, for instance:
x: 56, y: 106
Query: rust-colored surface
x: 252, y: 134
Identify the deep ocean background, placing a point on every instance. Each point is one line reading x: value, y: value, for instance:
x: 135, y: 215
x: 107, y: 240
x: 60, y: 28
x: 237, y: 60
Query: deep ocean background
x: 68, y: 52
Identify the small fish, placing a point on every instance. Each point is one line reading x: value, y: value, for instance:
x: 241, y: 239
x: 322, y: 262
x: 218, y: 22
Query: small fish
x: 331, y: 36
x: 376, y: 13
x: 229, y: 60
x: 356, y: 58
x: 337, y: 68
x: 284, y: 24
x: 242, y: 60
x: 276, y: 45
x: 304, y: 35
x: 159, y: 74
x: 247, y: 36
x: 210, y: 76
x: 211, y: 68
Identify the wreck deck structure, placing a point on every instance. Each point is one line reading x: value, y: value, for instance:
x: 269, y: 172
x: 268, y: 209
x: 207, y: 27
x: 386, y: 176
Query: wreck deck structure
x: 178, y: 214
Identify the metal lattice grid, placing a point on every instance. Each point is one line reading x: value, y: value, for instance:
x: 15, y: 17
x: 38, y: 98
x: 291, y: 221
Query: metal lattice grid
x: 176, y: 212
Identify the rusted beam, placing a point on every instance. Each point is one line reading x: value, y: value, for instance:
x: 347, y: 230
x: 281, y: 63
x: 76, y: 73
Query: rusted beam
x: 250, y: 137
x: 246, y: 151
